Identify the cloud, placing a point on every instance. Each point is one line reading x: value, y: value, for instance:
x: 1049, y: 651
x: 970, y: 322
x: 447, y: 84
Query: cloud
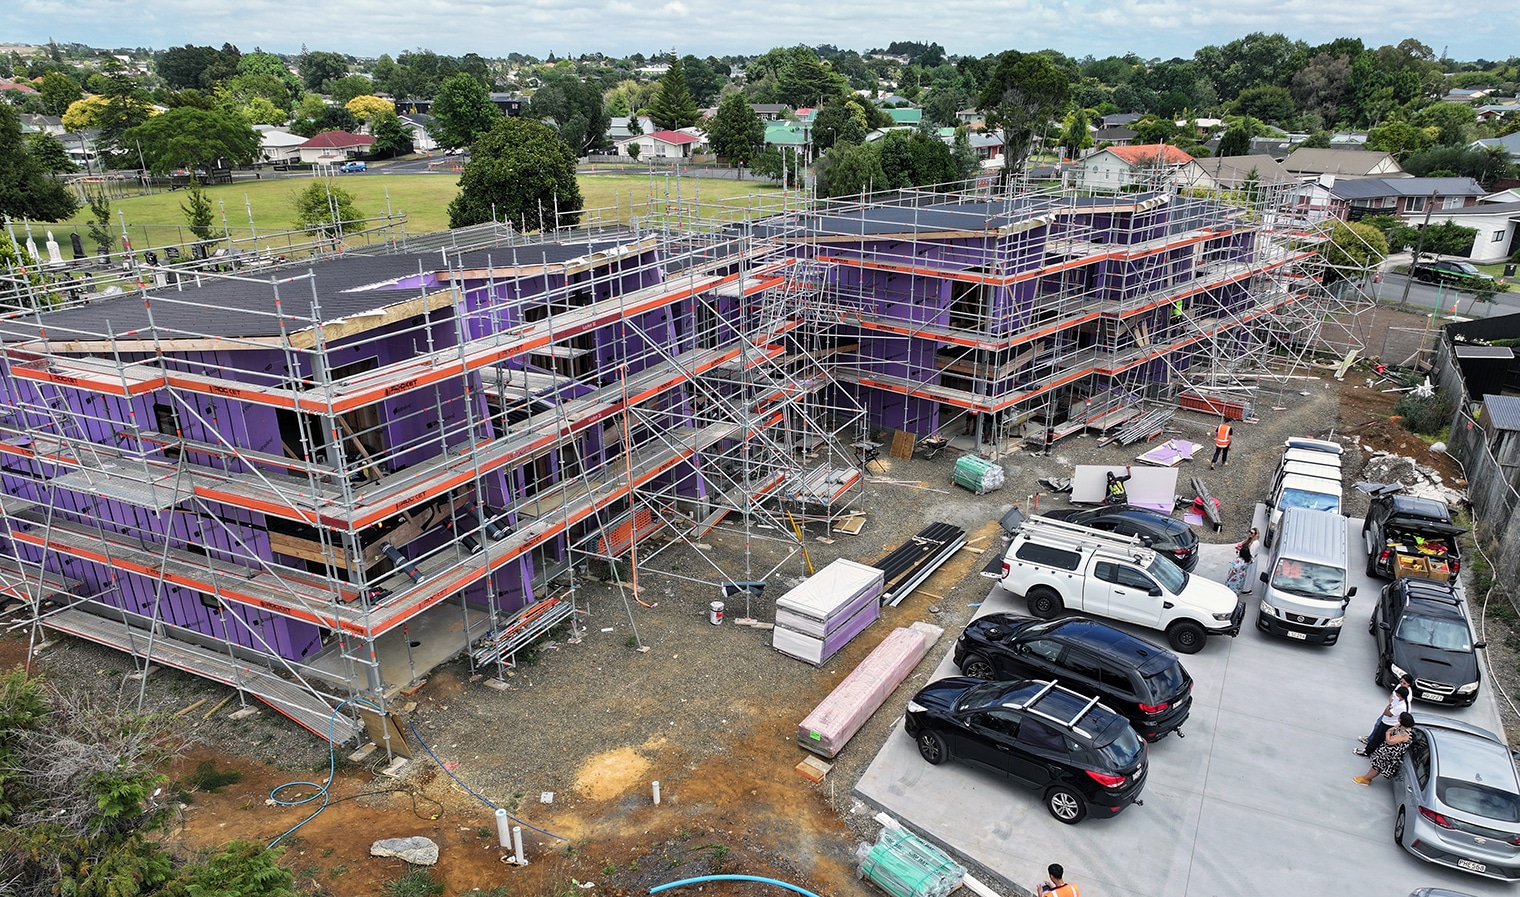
x: 1163, y: 28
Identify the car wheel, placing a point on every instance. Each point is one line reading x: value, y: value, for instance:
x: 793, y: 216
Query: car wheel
x: 1371, y: 564
x: 1044, y: 603
x: 1186, y: 637
x: 1065, y: 805
x: 977, y: 667
x: 931, y: 746
x: 1398, y: 828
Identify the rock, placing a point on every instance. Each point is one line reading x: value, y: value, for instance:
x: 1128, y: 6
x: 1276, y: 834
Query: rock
x: 416, y: 850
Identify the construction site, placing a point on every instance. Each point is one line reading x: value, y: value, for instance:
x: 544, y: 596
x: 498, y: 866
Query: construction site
x: 315, y: 481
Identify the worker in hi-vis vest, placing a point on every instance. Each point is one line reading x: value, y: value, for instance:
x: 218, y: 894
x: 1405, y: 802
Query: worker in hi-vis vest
x: 1222, y: 438
x: 1056, y: 885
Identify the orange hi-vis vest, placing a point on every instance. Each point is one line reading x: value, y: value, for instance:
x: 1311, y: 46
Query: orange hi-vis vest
x: 1222, y: 438
x: 1067, y: 889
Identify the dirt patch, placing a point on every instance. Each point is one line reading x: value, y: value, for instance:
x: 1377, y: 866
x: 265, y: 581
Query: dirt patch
x: 614, y: 773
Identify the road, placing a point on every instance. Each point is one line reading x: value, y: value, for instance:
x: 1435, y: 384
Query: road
x: 1423, y: 295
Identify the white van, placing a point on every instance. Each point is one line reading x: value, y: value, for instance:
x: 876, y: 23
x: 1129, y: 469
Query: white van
x: 1307, y: 591
x: 1311, y: 458
x: 1309, y: 493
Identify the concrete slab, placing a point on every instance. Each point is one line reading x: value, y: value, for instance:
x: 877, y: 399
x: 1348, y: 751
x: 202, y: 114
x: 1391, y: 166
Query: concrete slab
x: 1256, y: 799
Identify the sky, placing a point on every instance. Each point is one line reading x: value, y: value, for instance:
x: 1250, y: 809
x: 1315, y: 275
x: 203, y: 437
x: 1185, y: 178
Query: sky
x: 1150, y: 28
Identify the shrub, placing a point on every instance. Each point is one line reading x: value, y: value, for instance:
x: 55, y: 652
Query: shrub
x: 415, y: 883
x: 1423, y: 414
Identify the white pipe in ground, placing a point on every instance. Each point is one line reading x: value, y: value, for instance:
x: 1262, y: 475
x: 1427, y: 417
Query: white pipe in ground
x: 503, y: 830
x: 517, y: 845
x: 657, y: 794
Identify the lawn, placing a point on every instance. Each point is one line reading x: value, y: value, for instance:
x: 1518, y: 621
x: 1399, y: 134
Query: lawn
x: 265, y: 207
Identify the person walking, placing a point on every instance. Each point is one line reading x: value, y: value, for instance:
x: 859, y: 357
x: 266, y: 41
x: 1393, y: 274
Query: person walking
x: 1398, y: 702
x: 1056, y: 885
x: 1385, y: 760
x: 1222, y: 437
x: 1114, y: 492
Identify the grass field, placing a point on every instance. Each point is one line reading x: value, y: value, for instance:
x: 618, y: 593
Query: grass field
x: 157, y: 219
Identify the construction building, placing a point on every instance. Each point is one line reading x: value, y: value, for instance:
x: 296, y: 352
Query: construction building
x: 277, y: 479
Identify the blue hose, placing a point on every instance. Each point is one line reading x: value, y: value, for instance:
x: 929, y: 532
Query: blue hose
x: 698, y: 880
x: 332, y: 771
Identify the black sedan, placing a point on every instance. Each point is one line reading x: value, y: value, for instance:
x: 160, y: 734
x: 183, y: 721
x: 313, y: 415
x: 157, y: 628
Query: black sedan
x: 1422, y: 629
x: 1144, y: 682
x: 1082, y: 757
x: 1156, y: 530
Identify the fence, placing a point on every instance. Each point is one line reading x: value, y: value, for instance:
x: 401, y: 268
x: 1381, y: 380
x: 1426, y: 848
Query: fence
x: 606, y: 164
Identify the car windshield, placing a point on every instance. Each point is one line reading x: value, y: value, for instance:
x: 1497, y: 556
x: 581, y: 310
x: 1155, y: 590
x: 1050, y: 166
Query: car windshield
x: 1434, y: 632
x: 1465, y: 268
x: 1310, y: 580
x: 1171, y: 576
x: 1479, y: 800
x: 1313, y: 501
x: 1121, y: 749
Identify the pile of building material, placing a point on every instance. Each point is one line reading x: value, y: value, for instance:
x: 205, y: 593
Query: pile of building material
x: 977, y: 474
x: 1148, y: 487
x: 826, y: 610
x: 905, y: 865
x: 835, y: 721
x: 1171, y: 453
x: 1146, y: 426
x: 914, y: 561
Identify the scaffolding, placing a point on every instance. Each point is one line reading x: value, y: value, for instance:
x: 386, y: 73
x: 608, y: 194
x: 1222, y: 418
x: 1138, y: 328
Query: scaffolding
x: 281, y: 478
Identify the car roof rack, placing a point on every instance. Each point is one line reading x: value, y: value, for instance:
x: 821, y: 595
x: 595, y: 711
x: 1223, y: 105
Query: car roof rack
x: 1031, y: 706
x: 1077, y: 536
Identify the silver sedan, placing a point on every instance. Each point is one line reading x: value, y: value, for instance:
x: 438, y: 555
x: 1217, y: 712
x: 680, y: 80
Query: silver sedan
x: 1457, y: 799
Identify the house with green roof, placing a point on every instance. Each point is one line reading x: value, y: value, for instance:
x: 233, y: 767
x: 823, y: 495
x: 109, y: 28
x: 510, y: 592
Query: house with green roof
x: 785, y: 134
x: 905, y: 116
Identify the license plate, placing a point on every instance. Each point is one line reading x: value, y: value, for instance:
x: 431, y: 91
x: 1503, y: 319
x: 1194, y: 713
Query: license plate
x: 1302, y: 635
x: 1431, y: 696
x: 1471, y: 866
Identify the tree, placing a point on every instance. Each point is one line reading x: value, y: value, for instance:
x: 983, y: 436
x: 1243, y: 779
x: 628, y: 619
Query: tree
x: 241, y: 869
x: 242, y: 90
x: 673, y: 107
x: 182, y: 67
x: 366, y: 107
x: 1023, y: 92
x: 576, y: 108
x: 192, y: 138
x: 735, y: 131
x: 260, y: 63
x: 58, y: 91
x: 335, y: 118
x: 702, y: 80
x: 324, y: 208
x: 520, y: 172
x: 49, y: 153
x: 83, y: 114
x: 260, y: 111
x: 850, y: 170
x: 1352, y: 249
x: 462, y: 112
x: 963, y: 155
x: 1076, y: 137
x: 1236, y: 140
x: 839, y: 121
x: 99, y: 223
x: 1268, y: 103
x: 26, y: 191
x: 1454, y: 122
x: 1399, y: 138
x: 318, y: 67
x: 780, y: 164
x: 392, y: 138
x: 197, y: 209
x: 802, y: 80
x: 125, y: 108
x: 341, y: 90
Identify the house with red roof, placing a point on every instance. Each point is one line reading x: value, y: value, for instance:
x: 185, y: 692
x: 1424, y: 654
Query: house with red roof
x: 661, y: 145
x: 1117, y: 167
x: 331, y: 147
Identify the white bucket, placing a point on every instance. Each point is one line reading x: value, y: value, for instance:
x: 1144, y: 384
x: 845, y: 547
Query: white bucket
x: 715, y: 613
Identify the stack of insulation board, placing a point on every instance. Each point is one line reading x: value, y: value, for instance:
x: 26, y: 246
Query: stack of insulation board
x: 834, y: 722
x: 826, y: 610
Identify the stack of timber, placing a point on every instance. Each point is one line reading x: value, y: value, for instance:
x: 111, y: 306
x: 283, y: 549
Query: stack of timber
x: 826, y: 610
x: 834, y: 722
x: 1147, y: 426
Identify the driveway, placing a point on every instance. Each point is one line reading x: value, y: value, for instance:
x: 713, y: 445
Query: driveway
x: 1257, y: 798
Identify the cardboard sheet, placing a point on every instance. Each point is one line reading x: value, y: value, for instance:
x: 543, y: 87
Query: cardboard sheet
x: 1171, y: 453
x: 1150, y: 487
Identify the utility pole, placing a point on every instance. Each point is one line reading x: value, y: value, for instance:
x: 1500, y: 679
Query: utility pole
x: 1419, y: 244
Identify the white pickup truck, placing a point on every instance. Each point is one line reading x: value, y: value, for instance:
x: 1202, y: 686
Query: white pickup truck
x: 1058, y: 566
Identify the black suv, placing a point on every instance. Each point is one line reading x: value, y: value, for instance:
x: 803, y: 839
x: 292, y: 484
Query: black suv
x: 1165, y: 534
x: 1418, y: 530
x: 1422, y: 629
x: 1144, y: 682
x: 1082, y: 757
x: 1446, y: 271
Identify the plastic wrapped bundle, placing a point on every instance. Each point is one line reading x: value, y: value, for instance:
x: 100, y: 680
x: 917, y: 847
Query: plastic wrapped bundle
x: 977, y: 474
x: 905, y: 865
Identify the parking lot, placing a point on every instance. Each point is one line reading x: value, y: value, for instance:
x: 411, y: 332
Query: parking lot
x: 1256, y: 799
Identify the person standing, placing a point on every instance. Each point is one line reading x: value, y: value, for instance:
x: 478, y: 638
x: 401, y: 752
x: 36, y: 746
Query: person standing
x: 1222, y: 437
x: 1398, y: 702
x: 1056, y: 885
x: 1385, y: 760
x: 1114, y: 492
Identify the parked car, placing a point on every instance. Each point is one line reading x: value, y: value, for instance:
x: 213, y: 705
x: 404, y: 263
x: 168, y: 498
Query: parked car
x: 1457, y: 796
x: 1449, y: 271
x: 1154, y: 529
x: 354, y: 166
x: 1083, y: 758
x: 1058, y: 566
x: 1422, y: 629
x: 1145, y: 683
x: 1409, y: 534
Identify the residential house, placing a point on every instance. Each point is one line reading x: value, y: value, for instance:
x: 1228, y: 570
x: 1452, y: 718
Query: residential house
x: 905, y: 116
x: 510, y: 104
x: 279, y: 145
x: 1114, y: 136
x: 781, y: 134
x: 1509, y: 142
x: 1492, y: 111
x: 621, y: 127
x: 332, y: 147
x: 1120, y: 167
x: 1495, y: 223
x: 770, y: 111
x: 1510, y: 195
x: 1117, y: 120
x: 1408, y: 198
x: 1232, y: 173
x: 1278, y: 147
x: 7, y: 84
x: 416, y: 125
x: 1311, y: 162
x: 968, y: 117
x: 47, y: 124
x: 654, y: 69
x: 893, y: 99
x: 1466, y: 95
x: 660, y: 145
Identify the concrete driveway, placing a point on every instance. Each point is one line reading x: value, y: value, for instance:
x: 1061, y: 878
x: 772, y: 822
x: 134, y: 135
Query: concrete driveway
x: 1257, y: 799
